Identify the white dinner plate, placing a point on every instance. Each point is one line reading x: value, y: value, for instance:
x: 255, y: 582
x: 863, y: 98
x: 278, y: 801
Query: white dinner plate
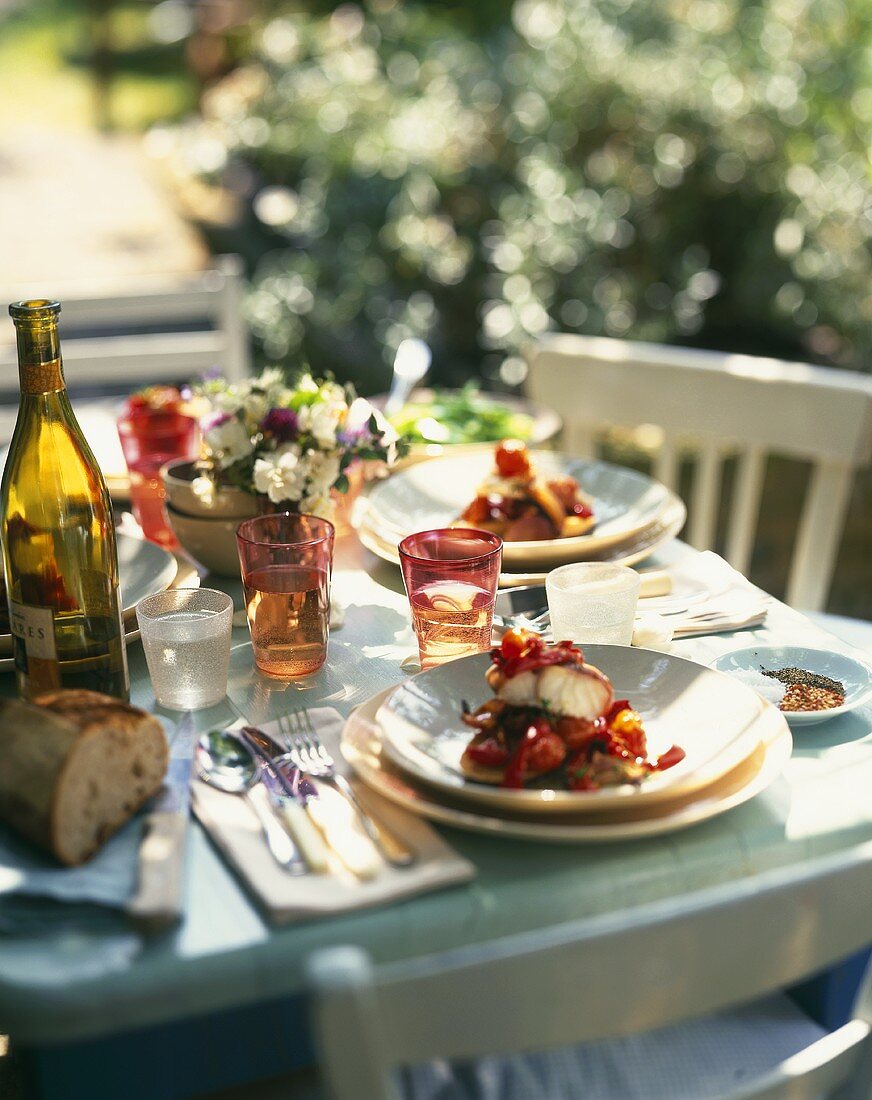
x: 711, y: 716
x: 362, y: 748
x: 435, y: 493
x: 856, y: 676
x: 143, y: 569
x: 635, y: 549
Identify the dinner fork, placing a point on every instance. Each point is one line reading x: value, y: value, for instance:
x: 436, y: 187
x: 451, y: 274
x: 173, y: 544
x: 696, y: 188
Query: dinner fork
x: 307, y: 751
x: 537, y: 621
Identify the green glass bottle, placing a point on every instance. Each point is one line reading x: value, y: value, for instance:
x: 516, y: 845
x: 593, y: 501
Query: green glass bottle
x: 57, y: 531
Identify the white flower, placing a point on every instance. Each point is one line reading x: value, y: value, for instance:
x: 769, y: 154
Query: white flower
x: 280, y: 475
x: 272, y: 377
x: 227, y: 401
x: 322, y: 420
x: 255, y: 407
x: 229, y: 440
x: 323, y: 472
x: 318, y: 504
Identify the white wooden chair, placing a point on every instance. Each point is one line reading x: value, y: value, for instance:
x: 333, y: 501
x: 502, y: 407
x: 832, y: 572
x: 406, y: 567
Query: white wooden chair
x: 149, y: 331
x: 718, y: 404
x: 650, y: 967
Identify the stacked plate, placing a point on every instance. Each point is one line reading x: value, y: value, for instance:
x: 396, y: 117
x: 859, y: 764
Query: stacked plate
x: 406, y: 744
x: 143, y: 570
x: 635, y: 514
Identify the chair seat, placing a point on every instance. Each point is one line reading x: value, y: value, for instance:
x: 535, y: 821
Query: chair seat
x: 701, y: 1059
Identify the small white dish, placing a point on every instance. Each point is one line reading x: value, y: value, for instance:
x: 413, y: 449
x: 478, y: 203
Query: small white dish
x: 856, y: 676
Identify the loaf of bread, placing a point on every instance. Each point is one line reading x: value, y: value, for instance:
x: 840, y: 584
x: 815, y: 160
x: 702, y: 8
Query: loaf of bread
x: 74, y: 767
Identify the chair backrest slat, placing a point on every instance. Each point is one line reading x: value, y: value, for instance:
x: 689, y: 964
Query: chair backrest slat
x: 706, y: 494
x: 666, y: 464
x: 820, y: 528
x: 715, y: 404
x: 745, y: 507
x: 100, y: 349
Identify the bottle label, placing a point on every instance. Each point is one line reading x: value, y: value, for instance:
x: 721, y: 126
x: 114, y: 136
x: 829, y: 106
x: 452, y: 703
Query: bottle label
x: 34, y: 627
x: 36, y: 657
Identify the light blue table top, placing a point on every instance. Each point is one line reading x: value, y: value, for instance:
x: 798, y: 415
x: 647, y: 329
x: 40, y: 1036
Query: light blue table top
x: 87, y: 982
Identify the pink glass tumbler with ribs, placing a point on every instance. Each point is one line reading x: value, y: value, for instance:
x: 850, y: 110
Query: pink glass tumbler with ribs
x: 451, y: 578
x: 286, y: 562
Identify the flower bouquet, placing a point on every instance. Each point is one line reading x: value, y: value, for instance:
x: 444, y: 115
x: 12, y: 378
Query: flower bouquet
x: 291, y: 446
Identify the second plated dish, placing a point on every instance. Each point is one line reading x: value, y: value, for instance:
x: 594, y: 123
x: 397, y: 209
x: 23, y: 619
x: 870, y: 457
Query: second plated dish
x: 434, y: 493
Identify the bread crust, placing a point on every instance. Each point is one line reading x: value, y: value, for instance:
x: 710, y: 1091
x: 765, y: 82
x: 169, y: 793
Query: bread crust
x: 80, y: 764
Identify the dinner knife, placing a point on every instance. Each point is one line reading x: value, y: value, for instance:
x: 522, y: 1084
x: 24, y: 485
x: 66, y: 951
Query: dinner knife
x: 287, y: 796
x: 157, y: 900
x: 319, y: 817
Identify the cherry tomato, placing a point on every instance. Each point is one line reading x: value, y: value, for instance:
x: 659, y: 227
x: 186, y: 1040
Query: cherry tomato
x: 626, y: 721
x: 511, y: 458
x: 515, y: 643
x: 547, y: 752
x: 616, y: 708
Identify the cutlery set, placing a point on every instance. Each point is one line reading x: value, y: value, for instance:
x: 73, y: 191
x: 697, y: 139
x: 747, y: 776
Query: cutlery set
x: 276, y: 779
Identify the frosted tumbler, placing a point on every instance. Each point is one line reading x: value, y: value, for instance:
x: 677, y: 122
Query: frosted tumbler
x: 186, y: 637
x: 593, y: 602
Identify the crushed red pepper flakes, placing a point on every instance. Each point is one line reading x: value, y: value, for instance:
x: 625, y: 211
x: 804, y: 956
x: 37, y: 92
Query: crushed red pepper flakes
x: 807, y: 690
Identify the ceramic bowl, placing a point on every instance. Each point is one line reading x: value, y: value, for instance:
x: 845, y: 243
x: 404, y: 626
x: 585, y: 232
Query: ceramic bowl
x: 228, y: 503
x: 212, y: 541
x: 854, y: 674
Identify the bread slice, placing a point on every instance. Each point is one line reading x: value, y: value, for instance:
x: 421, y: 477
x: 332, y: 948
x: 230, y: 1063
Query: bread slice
x: 76, y: 766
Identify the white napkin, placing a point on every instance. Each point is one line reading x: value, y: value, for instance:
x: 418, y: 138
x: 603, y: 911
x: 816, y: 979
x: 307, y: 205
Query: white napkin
x: 733, y: 603
x: 234, y: 827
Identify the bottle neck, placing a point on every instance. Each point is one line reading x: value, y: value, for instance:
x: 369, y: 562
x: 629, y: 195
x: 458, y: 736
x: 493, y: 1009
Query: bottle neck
x: 39, y: 357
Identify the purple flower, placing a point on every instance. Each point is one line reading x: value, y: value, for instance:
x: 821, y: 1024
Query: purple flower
x: 353, y: 437
x: 281, y: 424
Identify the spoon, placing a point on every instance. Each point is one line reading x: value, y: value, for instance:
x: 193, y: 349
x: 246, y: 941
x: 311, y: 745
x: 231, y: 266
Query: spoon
x: 224, y: 762
x: 411, y: 363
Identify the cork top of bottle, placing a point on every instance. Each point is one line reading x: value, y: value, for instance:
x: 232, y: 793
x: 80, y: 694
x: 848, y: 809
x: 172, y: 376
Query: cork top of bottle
x: 34, y: 309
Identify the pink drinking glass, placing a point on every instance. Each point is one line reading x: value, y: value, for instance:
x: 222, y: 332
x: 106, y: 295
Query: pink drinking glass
x: 451, y: 576
x: 287, y: 561
x: 149, y: 439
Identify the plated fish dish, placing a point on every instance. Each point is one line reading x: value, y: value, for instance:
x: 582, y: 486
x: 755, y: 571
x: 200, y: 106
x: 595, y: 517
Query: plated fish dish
x: 553, y: 714
x: 518, y: 504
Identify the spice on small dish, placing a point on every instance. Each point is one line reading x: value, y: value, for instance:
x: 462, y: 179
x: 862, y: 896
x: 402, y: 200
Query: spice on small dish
x: 806, y: 690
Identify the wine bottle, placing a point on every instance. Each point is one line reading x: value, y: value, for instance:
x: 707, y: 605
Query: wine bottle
x: 57, y: 531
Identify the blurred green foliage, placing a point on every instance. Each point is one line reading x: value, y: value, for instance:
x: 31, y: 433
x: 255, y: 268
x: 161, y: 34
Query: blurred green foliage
x: 686, y: 171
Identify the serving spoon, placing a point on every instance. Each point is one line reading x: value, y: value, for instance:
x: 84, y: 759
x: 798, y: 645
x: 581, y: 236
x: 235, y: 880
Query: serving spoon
x: 226, y: 763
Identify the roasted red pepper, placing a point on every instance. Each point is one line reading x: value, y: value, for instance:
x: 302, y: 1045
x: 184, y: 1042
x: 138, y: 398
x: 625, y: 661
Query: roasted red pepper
x: 670, y: 758
x: 489, y: 753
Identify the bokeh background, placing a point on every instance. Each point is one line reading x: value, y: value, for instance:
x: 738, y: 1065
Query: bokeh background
x: 683, y: 171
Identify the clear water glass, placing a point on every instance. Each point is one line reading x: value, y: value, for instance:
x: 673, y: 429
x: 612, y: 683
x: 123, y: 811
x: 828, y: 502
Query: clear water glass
x: 593, y: 602
x: 186, y: 637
